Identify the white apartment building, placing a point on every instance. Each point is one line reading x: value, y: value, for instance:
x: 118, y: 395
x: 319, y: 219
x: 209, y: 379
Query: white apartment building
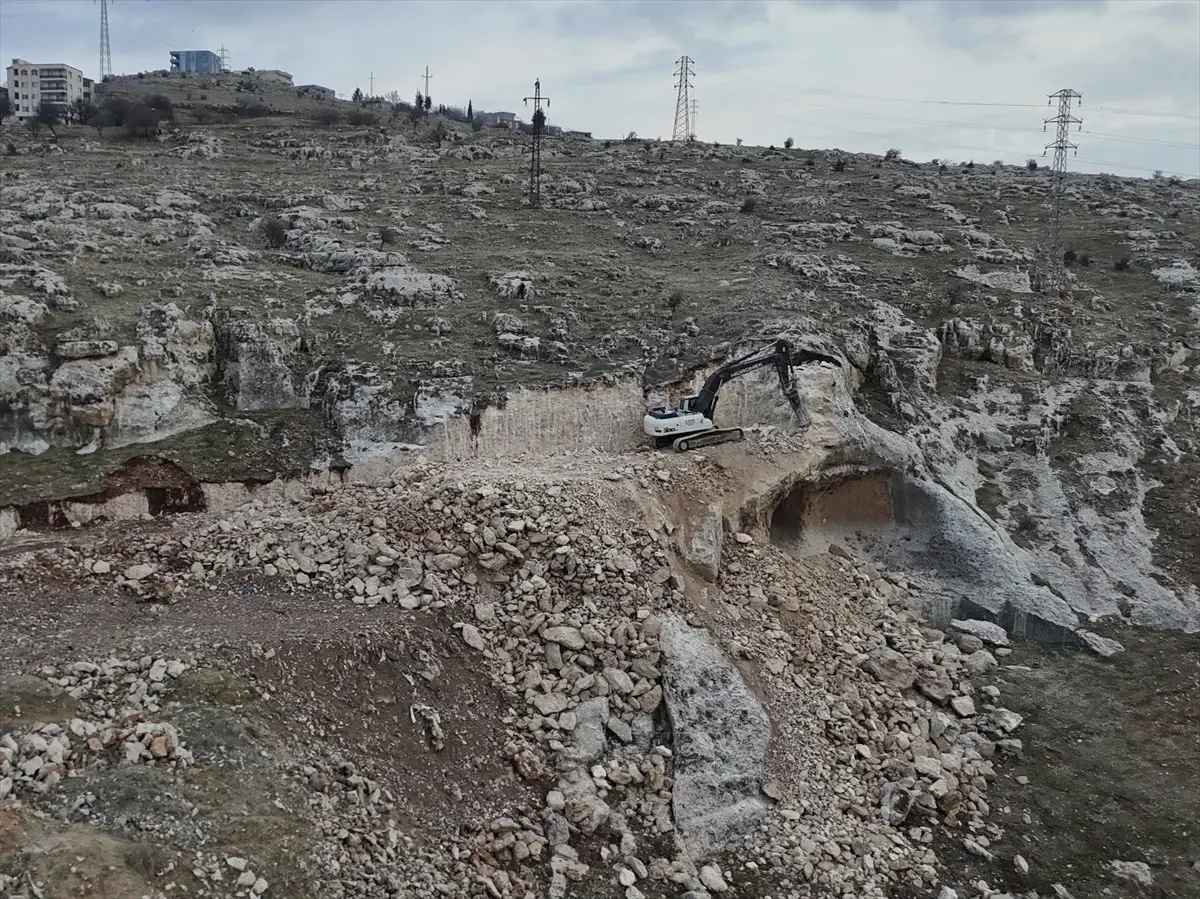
x: 30, y: 84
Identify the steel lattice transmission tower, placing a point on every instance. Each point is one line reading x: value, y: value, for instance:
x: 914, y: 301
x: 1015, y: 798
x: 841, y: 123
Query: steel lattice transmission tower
x: 1053, y: 276
x: 105, y: 47
x: 535, y: 159
x: 692, y: 129
x: 683, y: 125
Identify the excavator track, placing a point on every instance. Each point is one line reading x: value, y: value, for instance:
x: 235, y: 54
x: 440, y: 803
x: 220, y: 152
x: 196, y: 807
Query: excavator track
x: 708, y: 438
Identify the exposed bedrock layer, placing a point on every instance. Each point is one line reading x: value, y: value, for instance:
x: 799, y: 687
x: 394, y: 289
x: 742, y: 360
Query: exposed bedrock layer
x: 913, y: 497
x: 914, y: 524
x: 718, y: 780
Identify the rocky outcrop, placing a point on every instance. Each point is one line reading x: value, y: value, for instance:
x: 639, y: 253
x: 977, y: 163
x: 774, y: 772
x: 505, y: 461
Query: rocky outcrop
x: 718, y: 777
x: 701, y: 539
x: 85, y: 391
x: 256, y: 361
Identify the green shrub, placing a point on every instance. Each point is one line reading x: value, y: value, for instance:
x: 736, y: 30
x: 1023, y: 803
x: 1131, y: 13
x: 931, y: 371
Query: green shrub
x: 274, y: 232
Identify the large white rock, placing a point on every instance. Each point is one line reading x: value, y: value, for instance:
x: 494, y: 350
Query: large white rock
x: 721, y: 736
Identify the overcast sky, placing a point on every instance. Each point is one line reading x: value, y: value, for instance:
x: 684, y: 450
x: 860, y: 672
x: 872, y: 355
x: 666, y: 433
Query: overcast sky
x: 861, y: 75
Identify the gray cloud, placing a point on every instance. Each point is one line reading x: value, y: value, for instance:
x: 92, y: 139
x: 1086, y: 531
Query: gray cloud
x: 839, y: 73
x: 1013, y: 9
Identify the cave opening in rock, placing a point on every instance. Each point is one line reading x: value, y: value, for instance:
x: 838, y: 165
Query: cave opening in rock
x: 845, y: 509
x: 902, y: 523
x: 173, y: 500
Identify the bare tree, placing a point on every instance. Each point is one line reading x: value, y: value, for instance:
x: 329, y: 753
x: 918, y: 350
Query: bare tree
x: 142, y: 121
x: 82, y: 111
x: 392, y: 97
x: 275, y: 232
x: 103, y: 119
x: 49, y: 114
x: 328, y: 117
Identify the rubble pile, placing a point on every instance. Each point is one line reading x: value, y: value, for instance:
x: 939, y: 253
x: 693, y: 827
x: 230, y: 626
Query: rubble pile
x: 790, y: 724
x: 117, y: 700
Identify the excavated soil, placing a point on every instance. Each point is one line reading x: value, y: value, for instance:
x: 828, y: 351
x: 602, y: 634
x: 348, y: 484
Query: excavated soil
x: 337, y: 677
x: 356, y: 694
x: 284, y: 676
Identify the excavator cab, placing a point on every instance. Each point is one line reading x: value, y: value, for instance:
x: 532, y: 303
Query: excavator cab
x: 669, y: 426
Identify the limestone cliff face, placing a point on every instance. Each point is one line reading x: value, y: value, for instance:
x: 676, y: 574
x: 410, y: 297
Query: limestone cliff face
x: 83, y: 390
x: 1047, y: 478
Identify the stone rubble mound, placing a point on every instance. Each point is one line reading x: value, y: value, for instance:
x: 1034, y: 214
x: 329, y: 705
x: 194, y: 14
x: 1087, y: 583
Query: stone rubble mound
x: 791, y: 725
x: 115, y: 726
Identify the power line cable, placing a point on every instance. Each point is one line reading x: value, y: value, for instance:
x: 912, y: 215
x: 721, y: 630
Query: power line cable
x: 950, y: 124
x: 1146, y: 112
x: 879, y: 98
x: 1140, y: 168
x: 980, y: 125
x: 942, y: 145
x: 832, y: 93
x: 1144, y: 140
x: 972, y: 125
x: 844, y: 130
x: 871, y: 115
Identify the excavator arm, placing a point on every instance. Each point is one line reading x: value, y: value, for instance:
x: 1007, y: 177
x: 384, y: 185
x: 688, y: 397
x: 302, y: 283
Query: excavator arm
x: 781, y: 356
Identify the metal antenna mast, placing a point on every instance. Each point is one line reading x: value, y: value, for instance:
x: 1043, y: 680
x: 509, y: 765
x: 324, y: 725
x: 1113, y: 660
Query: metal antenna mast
x: 682, y: 104
x: 371, y: 81
x: 224, y: 59
x: 427, y: 76
x: 692, y: 130
x: 1054, y: 277
x: 535, y: 159
x: 105, y: 47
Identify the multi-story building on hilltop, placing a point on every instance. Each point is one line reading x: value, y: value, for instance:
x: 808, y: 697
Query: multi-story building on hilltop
x: 30, y: 84
x: 500, y: 119
x: 199, y: 62
x: 317, y: 90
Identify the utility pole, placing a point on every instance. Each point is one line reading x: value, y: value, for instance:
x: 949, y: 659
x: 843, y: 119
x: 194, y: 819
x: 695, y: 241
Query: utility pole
x: 692, y: 130
x: 371, y: 83
x: 535, y: 159
x: 105, y: 47
x: 426, y: 76
x: 1053, y: 278
x: 683, y: 86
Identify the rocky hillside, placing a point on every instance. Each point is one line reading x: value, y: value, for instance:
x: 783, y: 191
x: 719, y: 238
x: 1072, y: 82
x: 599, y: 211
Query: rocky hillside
x: 413, y: 292
x: 431, y: 620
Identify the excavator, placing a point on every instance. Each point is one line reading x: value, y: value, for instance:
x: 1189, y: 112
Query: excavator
x: 691, y: 424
